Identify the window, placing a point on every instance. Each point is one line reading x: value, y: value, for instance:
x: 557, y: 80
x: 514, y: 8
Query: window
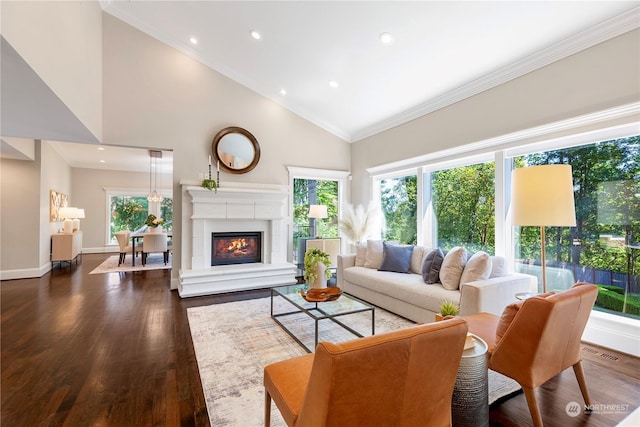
x: 603, y: 248
x: 398, y: 200
x: 128, y: 210
x: 328, y: 187
x: 307, y: 192
x: 463, y: 200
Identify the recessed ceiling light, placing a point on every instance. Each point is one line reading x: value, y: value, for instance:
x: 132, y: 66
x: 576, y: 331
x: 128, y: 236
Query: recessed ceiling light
x: 100, y: 148
x: 333, y: 83
x: 101, y: 161
x: 193, y: 40
x: 283, y: 92
x: 386, y: 38
x: 256, y: 35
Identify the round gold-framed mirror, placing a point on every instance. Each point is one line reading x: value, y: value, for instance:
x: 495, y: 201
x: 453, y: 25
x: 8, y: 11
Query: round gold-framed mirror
x: 236, y: 149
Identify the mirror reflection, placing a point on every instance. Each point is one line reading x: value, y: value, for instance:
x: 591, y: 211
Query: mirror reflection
x: 236, y: 149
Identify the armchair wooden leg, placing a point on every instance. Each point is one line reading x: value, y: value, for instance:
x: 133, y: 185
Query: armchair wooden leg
x: 267, y: 409
x: 530, y: 394
x: 577, y: 369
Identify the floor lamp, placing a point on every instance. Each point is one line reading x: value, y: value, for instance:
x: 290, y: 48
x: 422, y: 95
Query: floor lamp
x: 543, y: 196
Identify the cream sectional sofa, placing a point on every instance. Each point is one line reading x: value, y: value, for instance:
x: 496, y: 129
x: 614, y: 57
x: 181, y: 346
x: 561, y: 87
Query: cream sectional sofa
x: 408, y: 295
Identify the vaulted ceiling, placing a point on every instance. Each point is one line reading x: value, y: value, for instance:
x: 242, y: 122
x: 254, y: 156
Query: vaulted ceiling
x: 440, y: 51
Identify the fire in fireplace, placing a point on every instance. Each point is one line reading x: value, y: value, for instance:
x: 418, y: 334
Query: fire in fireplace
x: 236, y: 248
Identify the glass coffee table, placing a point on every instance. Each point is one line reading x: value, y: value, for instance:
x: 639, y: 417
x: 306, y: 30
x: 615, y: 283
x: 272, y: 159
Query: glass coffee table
x: 332, y: 310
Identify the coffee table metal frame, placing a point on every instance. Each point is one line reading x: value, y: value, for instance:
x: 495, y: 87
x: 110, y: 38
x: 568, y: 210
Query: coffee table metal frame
x: 317, y: 311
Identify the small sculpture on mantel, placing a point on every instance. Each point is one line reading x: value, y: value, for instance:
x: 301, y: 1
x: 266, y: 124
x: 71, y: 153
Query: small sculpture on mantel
x: 209, y: 183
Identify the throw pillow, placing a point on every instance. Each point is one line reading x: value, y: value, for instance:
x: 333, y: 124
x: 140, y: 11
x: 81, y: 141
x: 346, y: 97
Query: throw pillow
x: 361, y: 253
x: 374, y: 254
x: 498, y: 267
x: 431, y: 266
x: 509, y: 314
x: 416, y: 259
x: 452, y: 268
x: 478, y: 267
x: 396, y: 258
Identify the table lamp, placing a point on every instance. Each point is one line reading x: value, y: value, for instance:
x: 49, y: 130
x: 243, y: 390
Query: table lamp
x: 543, y: 196
x: 316, y: 212
x: 76, y: 219
x: 68, y: 213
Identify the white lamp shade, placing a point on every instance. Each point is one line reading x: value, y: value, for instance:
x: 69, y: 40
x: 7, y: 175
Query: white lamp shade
x: 317, y: 211
x: 543, y: 196
x: 67, y: 212
x: 80, y: 213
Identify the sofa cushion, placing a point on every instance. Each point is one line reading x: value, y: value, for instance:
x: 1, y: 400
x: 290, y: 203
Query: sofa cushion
x: 408, y: 288
x: 509, y: 313
x: 374, y: 254
x: 478, y: 267
x: 498, y: 267
x: 431, y: 266
x: 361, y: 253
x: 396, y: 258
x: 452, y: 268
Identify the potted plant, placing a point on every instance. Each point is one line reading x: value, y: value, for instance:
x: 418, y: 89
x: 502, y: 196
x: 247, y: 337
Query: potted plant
x: 154, y: 223
x: 316, y: 263
x: 210, y: 184
x: 358, y: 223
x: 447, y: 308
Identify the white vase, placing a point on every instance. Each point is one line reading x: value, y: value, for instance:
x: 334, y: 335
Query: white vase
x: 320, y: 280
x: 157, y: 229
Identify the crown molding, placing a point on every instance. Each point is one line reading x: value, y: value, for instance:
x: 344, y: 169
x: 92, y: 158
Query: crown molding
x: 602, y: 32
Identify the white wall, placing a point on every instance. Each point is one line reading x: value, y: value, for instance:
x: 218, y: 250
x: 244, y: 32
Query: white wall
x: 20, y: 213
x: 155, y: 96
x: 24, y: 208
x: 55, y: 174
x: 62, y: 42
x: 602, y: 77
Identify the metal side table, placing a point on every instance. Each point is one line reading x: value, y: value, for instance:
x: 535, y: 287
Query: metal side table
x: 470, y: 403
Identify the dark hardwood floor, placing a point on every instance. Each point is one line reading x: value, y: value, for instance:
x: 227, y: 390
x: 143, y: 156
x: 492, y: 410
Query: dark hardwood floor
x: 115, y: 350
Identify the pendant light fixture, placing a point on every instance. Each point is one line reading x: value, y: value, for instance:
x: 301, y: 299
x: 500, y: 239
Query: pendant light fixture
x: 153, y: 195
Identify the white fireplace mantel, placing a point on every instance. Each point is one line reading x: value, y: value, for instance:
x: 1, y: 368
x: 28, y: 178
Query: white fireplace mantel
x: 234, y: 208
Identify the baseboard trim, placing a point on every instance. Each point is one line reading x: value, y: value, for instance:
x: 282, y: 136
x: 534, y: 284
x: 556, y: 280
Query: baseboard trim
x: 25, y: 273
x: 614, y: 332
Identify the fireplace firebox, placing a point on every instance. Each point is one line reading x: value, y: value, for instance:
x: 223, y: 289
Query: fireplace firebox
x: 236, y: 248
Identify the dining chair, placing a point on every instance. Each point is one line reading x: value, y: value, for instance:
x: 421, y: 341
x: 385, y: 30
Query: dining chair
x: 123, y: 241
x: 154, y: 242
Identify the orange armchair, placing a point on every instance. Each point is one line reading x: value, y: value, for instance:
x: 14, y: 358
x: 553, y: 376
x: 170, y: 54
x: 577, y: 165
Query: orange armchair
x: 401, y: 378
x: 538, y: 338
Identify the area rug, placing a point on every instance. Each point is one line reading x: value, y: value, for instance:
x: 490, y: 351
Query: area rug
x: 234, y: 341
x: 110, y: 265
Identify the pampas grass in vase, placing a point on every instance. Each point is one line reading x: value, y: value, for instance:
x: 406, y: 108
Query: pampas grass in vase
x: 359, y: 224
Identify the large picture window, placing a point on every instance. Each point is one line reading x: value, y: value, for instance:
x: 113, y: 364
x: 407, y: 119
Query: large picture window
x: 463, y: 199
x: 129, y: 212
x: 604, y: 247
x: 398, y: 200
